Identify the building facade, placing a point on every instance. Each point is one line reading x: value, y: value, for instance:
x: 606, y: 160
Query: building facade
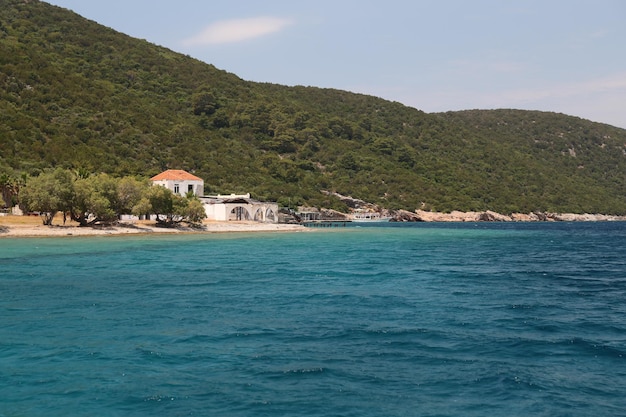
x: 239, y: 208
x: 179, y: 182
x: 219, y: 207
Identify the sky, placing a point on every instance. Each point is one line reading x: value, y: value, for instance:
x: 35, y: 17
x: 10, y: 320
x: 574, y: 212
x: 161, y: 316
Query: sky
x: 565, y: 56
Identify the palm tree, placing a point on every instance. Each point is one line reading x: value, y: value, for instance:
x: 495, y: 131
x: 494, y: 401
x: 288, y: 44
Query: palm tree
x: 10, y: 186
x: 6, y: 189
x: 19, y: 182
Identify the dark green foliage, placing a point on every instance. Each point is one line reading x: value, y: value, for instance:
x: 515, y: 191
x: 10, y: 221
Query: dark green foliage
x: 169, y: 208
x: 76, y: 95
x: 101, y: 198
x: 49, y: 193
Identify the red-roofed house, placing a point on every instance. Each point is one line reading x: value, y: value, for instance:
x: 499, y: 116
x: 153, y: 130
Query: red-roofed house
x: 219, y: 207
x: 179, y: 182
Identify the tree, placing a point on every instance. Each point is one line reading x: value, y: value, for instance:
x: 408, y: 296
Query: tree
x: 204, y: 103
x: 89, y: 199
x: 10, y: 186
x: 95, y: 200
x: 194, y: 211
x: 6, y: 190
x: 48, y: 194
x: 170, y: 209
x: 349, y: 162
x: 157, y: 200
x: 129, y: 192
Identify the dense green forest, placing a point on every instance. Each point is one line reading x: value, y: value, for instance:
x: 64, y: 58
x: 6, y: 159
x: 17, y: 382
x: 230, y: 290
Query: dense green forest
x: 77, y: 95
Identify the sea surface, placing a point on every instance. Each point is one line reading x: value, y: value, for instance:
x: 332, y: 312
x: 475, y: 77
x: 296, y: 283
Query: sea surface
x: 469, y: 319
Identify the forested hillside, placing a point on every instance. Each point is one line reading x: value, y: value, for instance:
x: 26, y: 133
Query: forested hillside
x: 74, y: 94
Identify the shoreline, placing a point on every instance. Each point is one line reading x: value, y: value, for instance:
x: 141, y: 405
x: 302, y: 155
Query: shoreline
x: 24, y: 226
x: 13, y: 226
x: 491, y: 216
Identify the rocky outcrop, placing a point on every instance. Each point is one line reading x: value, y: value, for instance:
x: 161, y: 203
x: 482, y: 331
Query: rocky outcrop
x: 530, y: 217
x: 351, y: 202
x: 458, y: 216
x: 491, y: 216
x: 328, y: 214
x: 570, y: 217
x: 405, y: 216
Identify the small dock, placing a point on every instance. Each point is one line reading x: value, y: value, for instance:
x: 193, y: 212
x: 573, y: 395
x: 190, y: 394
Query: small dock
x: 326, y: 223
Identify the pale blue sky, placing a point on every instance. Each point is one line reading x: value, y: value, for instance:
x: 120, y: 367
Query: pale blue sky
x: 567, y: 56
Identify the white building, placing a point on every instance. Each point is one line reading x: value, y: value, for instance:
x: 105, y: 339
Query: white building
x: 239, y: 208
x: 219, y: 207
x: 179, y: 182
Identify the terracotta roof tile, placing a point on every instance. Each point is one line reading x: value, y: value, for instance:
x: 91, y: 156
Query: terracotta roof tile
x: 175, y: 175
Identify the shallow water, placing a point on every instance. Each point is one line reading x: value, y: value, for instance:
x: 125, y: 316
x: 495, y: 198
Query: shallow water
x: 429, y: 320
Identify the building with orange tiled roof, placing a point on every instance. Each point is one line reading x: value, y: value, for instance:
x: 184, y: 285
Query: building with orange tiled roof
x: 179, y: 182
x: 218, y: 207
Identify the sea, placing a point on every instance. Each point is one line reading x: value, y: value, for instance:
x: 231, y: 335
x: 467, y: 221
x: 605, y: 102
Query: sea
x: 422, y: 319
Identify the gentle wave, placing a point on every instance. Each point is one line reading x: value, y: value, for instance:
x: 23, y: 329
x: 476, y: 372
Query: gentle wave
x: 429, y: 320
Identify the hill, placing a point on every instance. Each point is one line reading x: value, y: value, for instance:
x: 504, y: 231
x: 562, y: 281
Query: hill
x: 79, y: 95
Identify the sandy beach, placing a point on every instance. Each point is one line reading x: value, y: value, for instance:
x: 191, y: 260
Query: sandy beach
x: 32, y: 226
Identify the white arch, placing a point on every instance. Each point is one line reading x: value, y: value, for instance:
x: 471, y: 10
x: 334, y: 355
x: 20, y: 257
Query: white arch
x: 239, y: 213
x: 258, y: 215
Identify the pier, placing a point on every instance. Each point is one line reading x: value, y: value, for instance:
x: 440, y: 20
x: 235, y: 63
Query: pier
x: 326, y: 223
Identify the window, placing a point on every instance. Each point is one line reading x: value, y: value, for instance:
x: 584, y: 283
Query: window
x: 190, y: 188
x: 176, y: 189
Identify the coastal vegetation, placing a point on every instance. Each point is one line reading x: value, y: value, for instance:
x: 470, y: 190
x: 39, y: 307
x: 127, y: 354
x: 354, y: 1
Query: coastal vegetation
x: 101, y: 199
x: 80, y: 97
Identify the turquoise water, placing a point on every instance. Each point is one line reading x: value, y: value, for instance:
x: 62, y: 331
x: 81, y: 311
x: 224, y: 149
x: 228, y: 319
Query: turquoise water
x: 396, y: 320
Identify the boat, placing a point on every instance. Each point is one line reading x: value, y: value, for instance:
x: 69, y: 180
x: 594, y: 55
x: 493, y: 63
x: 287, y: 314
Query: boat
x: 363, y: 216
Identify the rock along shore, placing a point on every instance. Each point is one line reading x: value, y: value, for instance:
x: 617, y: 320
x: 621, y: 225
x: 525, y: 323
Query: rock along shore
x: 469, y: 216
x: 490, y: 216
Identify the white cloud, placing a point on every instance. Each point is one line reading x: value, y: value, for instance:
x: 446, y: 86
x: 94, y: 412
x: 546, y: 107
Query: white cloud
x: 599, y: 99
x: 613, y: 84
x: 465, y: 67
x: 602, y: 33
x: 237, y: 30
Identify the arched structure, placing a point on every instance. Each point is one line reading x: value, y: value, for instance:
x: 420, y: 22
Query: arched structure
x: 239, y: 213
x: 271, y: 216
x: 239, y: 208
x: 220, y: 207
